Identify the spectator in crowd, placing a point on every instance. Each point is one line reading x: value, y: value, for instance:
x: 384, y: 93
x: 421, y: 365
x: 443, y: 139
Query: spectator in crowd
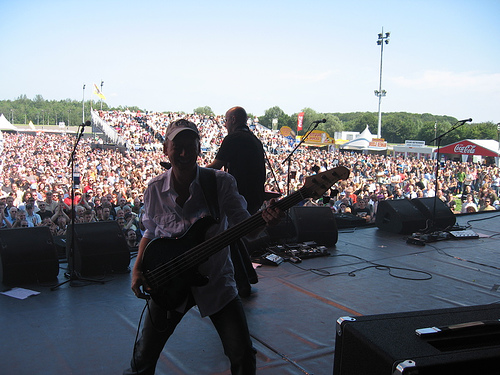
x: 4, y: 222
x: 88, y: 216
x: 50, y: 203
x: 361, y: 210
x: 20, y: 221
x: 106, y: 214
x: 487, y: 205
x: 131, y: 238
x: 9, y: 202
x: 469, y: 202
x: 33, y: 218
x: 12, y: 216
x: 61, y: 220
x: 42, y: 210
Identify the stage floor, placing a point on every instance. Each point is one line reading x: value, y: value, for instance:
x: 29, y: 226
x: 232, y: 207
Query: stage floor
x: 292, y: 311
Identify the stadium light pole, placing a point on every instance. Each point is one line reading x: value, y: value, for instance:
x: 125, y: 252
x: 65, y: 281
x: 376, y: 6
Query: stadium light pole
x: 380, y: 93
x: 83, y: 105
x: 102, y: 83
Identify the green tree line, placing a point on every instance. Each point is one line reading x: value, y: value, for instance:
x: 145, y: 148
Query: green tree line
x: 51, y: 112
x: 396, y: 126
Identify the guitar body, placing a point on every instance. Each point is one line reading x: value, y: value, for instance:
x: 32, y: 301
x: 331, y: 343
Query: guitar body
x: 162, y: 259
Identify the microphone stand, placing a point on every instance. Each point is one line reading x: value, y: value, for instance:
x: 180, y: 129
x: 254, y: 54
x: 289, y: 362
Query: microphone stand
x: 288, y: 160
x: 289, y: 157
x: 432, y: 227
x: 70, y: 253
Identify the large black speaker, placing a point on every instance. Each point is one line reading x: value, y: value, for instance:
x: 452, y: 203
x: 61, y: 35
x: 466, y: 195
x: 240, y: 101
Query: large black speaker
x: 315, y: 223
x: 399, y: 216
x: 283, y: 232
x: 468, y: 342
x: 27, y: 255
x: 437, y: 211
x: 99, y: 248
x: 408, y: 216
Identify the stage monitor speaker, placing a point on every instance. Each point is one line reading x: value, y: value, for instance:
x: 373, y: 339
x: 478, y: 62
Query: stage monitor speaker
x: 315, y: 223
x: 27, y: 255
x: 283, y: 232
x: 399, y: 216
x: 397, y: 343
x: 442, y: 217
x: 99, y: 248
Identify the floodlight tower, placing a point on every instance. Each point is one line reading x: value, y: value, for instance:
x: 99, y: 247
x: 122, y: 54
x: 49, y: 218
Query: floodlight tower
x: 380, y: 93
x: 102, y: 84
x: 83, y: 105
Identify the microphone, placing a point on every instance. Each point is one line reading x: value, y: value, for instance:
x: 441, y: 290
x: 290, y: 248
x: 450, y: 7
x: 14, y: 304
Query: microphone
x: 466, y: 120
x: 319, y: 121
x: 87, y: 123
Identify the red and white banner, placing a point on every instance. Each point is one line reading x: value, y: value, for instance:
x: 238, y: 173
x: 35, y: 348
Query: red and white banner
x: 466, y: 147
x: 300, y: 120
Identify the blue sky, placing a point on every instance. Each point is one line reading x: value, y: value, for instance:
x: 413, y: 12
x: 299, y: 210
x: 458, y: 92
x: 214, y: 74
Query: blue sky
x: 443, y: 56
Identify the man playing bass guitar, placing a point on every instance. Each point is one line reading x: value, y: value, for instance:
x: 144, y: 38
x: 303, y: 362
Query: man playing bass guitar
x: 174, y: 202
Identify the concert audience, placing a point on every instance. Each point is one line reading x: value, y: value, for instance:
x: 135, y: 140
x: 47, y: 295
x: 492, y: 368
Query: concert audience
x: 35, y: 172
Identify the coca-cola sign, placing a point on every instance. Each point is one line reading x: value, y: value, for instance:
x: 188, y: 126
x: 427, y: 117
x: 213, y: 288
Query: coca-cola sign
x: 464, y: 149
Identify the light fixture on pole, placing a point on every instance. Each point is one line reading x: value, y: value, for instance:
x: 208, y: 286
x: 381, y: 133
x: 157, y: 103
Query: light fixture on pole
x: 380, y: 93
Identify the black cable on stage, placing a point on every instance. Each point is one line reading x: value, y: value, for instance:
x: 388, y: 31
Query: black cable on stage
x: 137, y: 334
x: 323, y: 271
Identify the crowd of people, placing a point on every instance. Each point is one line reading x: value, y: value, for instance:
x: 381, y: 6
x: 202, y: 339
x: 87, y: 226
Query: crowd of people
x: 36, y: 180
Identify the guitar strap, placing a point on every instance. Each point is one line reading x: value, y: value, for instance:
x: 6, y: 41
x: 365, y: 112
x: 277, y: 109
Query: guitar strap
x: 209, y: 187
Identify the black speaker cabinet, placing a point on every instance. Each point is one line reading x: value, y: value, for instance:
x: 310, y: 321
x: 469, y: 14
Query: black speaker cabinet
x: 315, y: 223
x: 408, y: 216
x: 27, y: 255
x: 441, y: 214
x: 283, y: 232
x: 399, y: 216
x: 99, y: 248
x: 458, y: 341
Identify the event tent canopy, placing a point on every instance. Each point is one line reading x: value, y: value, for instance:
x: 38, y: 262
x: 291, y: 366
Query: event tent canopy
x: 481, y: 147
x: 5, y: 124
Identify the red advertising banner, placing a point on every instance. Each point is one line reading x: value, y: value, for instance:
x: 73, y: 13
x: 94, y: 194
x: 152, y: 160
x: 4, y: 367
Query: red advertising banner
x: 466, y: 147
x: 300, y: 120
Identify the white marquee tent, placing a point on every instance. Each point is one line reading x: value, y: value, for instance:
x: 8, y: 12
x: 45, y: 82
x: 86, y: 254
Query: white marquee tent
x: 5, y: 124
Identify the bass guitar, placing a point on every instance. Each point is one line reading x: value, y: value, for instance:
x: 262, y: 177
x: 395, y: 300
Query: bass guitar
x: 170, y: 273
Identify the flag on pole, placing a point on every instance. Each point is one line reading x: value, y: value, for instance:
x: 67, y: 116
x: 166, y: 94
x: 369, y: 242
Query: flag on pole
x: 98, y: 92
x: 300, y: 120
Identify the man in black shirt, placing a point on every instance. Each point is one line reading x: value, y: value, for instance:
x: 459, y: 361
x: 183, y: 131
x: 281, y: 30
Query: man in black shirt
x: 242, y: 155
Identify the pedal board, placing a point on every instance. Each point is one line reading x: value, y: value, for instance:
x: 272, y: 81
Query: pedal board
x: 463, y: 234
x: 269, y: 259
x: 297, y: 252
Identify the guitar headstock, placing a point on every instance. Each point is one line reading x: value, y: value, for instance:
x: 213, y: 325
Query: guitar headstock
x: 315, y: 186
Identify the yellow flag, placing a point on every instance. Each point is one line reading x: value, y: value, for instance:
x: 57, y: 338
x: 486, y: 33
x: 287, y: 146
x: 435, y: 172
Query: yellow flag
x: 98, y: 92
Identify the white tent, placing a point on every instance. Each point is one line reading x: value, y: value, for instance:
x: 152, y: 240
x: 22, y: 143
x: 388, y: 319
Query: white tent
x: 361, y: 142
x: 5, y: 124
